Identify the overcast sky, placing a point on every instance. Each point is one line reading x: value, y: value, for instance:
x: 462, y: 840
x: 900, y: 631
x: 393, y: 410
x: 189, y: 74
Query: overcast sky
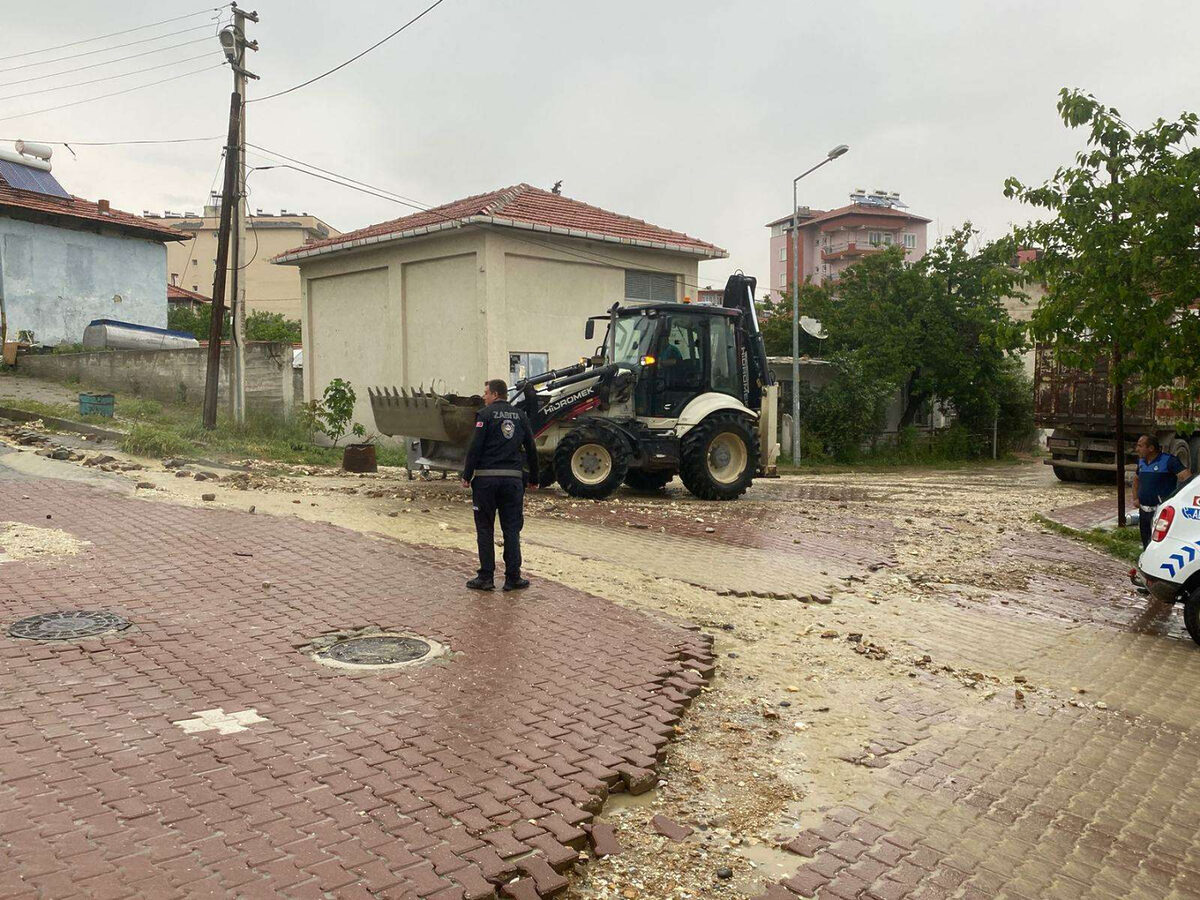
x: 692, y: 115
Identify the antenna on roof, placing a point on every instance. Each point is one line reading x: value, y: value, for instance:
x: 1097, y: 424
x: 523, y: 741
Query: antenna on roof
x: 557, y: 189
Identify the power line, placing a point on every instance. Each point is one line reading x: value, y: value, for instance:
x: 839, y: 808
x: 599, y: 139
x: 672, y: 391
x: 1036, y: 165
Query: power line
x: 216, y: 137
x: 148, y: 40
x: 103, y: 37
x: 108, y: 62
x: 138, y: 87
x: 411, y: 21
x: 416, y: 203
x: 594, y: 256
x: 74, y: 84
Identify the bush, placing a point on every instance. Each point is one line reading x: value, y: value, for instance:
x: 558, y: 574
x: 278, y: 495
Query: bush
x: 838, y: 419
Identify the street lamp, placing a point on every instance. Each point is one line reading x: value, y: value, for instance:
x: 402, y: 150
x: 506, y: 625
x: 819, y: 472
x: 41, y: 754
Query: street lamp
x: 829, y: 157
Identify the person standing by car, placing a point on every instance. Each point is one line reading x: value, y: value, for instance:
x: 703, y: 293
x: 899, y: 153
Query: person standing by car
x: 500, y: 452
x: 1158, y: 475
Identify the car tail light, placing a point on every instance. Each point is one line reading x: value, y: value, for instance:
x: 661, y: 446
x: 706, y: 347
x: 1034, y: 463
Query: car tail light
x: 1163, y: 523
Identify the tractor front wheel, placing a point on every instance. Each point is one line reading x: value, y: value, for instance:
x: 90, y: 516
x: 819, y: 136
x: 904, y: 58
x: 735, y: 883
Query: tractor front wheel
x: 720, y: 456
x: 591, y: 462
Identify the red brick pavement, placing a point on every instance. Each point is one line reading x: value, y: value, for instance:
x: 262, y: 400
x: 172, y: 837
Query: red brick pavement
x: 466, y: 778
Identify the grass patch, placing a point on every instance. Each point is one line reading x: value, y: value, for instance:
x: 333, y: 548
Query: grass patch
x: 159, y: 430
x: 1123, y: 543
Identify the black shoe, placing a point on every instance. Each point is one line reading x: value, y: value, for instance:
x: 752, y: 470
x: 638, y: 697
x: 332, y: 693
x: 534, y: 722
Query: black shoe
x: 516, y: 584
x: 481, y: 584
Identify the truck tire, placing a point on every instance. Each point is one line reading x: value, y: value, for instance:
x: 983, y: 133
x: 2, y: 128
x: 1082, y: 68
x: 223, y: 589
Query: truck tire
x: 720, y: 456
x: 641, y: 480
x: 1194, y: 447
x: 591, y: 462
x: 1191, y: 615
x: 1063, y: 473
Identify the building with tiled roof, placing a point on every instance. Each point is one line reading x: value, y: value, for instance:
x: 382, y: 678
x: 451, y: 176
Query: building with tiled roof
x: 494, y: 285
x: 182, y: 297
x: 65, y: 261
x: 832, y: 240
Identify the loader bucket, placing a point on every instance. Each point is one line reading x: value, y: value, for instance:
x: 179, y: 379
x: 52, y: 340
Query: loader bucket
x: 416, y: 413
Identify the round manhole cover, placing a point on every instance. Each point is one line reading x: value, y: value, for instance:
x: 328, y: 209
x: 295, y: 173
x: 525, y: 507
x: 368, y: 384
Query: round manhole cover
x: 67, y: 626
x: 377, y: 650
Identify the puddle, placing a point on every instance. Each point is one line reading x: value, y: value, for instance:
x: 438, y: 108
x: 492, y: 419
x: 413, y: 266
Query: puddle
x: 618, y: 803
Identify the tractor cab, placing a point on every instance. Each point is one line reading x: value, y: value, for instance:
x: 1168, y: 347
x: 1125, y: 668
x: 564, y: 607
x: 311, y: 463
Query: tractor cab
x: 680, y: 351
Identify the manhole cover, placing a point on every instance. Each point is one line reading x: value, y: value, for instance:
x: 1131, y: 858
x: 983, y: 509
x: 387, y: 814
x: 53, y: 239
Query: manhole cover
x: 377, y: 650
x: 67, y: 626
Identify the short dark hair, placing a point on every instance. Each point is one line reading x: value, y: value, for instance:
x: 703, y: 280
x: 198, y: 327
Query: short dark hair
x: 498, y: 386
x: 1152, y: 441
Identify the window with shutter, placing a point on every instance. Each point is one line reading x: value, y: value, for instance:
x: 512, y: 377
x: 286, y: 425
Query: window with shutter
x: 650, y: 287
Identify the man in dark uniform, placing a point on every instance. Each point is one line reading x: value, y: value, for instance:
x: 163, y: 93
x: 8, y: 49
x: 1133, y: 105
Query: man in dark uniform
x: 500, y: 452
x: 1158, y: 475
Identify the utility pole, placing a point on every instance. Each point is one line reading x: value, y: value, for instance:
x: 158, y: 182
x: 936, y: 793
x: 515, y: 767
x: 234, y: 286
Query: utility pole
x: 234, y: 43
x: 213, y: 372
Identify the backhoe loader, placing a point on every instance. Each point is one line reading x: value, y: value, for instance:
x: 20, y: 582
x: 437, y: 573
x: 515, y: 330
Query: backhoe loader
x: 675, y: 389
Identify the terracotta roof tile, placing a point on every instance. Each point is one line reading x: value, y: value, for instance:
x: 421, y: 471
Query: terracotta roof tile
x: 518, y: 206
x: 80, y: 210
x: 174, y: 292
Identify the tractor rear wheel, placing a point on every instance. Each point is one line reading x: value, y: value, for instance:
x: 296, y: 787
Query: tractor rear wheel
x: 720, y: 456
x: 642, y: 480
x: 591, y: 462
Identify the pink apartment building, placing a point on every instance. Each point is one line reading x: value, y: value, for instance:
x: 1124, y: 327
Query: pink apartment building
x: 832, y: 240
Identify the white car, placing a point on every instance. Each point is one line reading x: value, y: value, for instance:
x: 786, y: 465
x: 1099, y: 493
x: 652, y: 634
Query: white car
x: 1170, y: 564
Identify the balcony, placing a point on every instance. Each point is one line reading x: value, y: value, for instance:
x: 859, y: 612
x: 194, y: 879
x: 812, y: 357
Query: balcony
x: 848, y: 250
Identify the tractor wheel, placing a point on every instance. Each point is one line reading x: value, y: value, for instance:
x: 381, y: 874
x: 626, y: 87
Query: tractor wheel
x: 720, y: 456
x: 641, y: 480
x: 591, y: 462
x: 1062, y: 473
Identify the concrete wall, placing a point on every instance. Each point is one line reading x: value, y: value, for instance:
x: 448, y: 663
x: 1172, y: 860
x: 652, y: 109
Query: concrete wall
x: 57, y: 280
x: 448, y: 309
x: 176, y: 376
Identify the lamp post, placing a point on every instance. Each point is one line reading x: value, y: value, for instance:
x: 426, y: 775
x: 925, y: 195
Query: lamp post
x: 829, y: 157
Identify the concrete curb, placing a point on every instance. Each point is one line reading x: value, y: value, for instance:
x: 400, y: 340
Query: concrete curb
x: 21, y: 415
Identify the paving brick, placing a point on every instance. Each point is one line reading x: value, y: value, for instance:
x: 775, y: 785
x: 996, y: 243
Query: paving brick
x: 413, y: 783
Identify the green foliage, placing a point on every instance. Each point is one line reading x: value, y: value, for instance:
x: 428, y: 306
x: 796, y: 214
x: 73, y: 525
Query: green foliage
x: 775, y: 319
x: 267, y: 326
x: 155, y: 441
x: 1120, y: 250
x: 260, y: 326
x: 180, y: 318
x: 840, y: 417
x: 332, y: 413
x: 936, y: 329
x: 1123, y: 543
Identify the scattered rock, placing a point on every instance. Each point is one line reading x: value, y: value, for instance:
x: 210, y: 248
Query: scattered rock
x: 207, y: 497
x: 145, y: 485
x: 669, y: 828
x: 724, y: 872
x: 60, y: 453
x: 267, y: 585
x: 182, y: 474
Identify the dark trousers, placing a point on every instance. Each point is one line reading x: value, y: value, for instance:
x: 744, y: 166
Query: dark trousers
x: 507, y: 497
x: 1145, y: 523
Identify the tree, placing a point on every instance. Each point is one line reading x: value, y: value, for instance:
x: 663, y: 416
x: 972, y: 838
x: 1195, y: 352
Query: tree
x: 775, y: 319
x: 936, y: 328
x: 1120, y: 254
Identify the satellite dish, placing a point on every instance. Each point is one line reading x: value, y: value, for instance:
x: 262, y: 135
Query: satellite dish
x: 813, y: 327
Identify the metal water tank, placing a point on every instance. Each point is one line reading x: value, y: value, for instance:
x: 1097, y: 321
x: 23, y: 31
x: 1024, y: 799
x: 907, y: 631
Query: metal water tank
x: 109, y: 334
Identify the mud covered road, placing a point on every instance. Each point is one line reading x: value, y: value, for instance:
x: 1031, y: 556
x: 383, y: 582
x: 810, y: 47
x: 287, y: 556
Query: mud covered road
x: 920, y: 691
